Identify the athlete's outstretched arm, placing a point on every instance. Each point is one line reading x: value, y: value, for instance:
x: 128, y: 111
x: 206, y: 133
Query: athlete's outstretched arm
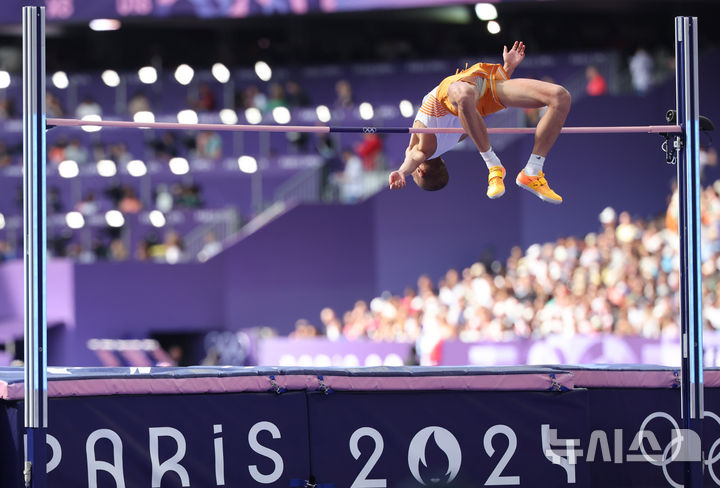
x: 513, y: 57
x: 414, y: 157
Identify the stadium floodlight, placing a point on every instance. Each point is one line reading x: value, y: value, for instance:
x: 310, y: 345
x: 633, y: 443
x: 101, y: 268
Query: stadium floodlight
x: 91, y: 118
x: 4, y: 79
x: 221, y: 72
x: 136, y: 168
x: 187, y: 117
x: 406, y: 109
x: 2, y: 221
x: 281, y: 115
x: 148, y: 75
x: 228, y: 116
x: 102, y: 25
x: 111, y: 78
x: 106, y: 168
x: 184, y: 74
x: 157, y: 219
x: 323, y: 113
x: 179, y: 166
x: 75, y: 220
x: 144, y: 116
x: 114, y: 218
x: 263, y: 70
x: 366, y: 111
x: 247, y: 164
x: 493, y: 27
x: 253, y: 115
x: 486, y: 11
x: 60, y: 80
x: 68, y: 169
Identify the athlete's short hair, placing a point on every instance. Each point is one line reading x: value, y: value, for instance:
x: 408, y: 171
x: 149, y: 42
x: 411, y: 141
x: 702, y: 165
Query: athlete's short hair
x: 435, y: 176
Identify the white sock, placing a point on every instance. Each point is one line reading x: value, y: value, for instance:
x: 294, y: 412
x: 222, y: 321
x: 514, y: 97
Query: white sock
x: 490, y: 158
x: 534, y: 165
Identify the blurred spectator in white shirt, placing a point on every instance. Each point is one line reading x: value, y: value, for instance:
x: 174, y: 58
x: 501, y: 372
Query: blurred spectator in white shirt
x: 352, y: 179
x: 641, y: 68
x: 210, y: 248
x: 76, y: 151
x: 88, y: 106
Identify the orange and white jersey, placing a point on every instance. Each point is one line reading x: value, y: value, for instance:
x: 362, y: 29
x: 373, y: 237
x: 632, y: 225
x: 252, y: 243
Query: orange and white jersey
x: 437, y: 111
x: 434, y: 115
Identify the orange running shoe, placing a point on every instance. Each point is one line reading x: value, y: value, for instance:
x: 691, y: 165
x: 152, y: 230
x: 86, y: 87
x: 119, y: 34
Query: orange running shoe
x: 539, y: 186
x: 496, y: 186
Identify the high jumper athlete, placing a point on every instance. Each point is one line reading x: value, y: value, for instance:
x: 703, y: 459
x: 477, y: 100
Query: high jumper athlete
x: 463, y: 100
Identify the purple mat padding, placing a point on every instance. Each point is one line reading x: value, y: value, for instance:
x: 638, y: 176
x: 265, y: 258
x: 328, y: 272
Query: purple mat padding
x: 626, y: 376
x: 68, y: 382
x: 530, y: 381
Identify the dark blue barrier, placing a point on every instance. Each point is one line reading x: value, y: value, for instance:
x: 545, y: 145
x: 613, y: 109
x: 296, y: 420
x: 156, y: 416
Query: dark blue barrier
x: 254, y: 439
x: 461, y: 439
x: 346, y: 428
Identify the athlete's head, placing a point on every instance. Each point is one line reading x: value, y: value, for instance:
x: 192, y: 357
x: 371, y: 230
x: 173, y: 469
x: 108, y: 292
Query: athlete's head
x: 431, y: 175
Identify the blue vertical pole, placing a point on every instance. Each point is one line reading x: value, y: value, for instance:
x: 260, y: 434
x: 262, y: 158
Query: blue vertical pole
x: 691, y: 322
x: 35, y: 253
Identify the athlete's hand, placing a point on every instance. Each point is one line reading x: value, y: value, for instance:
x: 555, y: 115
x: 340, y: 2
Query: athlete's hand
x: 397, y: 180
x: 514, y: 56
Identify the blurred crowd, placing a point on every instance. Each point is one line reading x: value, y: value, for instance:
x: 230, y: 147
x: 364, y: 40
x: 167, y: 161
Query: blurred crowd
x: 344, y: 169
x: 349, y: 172
x: 113, y: 243
x: 623, y: 279
x: 343, y: 173
x: 643, y: 71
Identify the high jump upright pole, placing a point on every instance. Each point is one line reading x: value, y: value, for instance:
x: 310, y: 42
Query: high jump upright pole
x: 688, y: 177
x: 35, y: 249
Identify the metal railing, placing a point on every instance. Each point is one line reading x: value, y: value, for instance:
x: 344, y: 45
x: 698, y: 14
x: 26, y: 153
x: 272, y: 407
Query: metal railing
x: 205, y: 241
x: 302, y: 187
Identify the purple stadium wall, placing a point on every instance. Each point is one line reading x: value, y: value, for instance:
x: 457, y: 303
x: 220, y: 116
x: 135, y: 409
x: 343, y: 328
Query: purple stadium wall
x: 313, y: 255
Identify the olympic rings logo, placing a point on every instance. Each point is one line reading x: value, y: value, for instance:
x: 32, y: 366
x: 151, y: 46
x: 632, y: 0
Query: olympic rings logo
x: 684, y: 446
x: 369, y: 130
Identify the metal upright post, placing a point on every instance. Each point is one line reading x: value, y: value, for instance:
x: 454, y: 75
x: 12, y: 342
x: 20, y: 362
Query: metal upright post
x: 688, y: 167
x: 35, y: 257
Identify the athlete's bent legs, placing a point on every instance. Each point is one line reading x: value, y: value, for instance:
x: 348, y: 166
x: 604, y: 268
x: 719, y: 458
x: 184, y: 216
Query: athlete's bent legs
x: 465, y: 98
x: 528, y: 93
